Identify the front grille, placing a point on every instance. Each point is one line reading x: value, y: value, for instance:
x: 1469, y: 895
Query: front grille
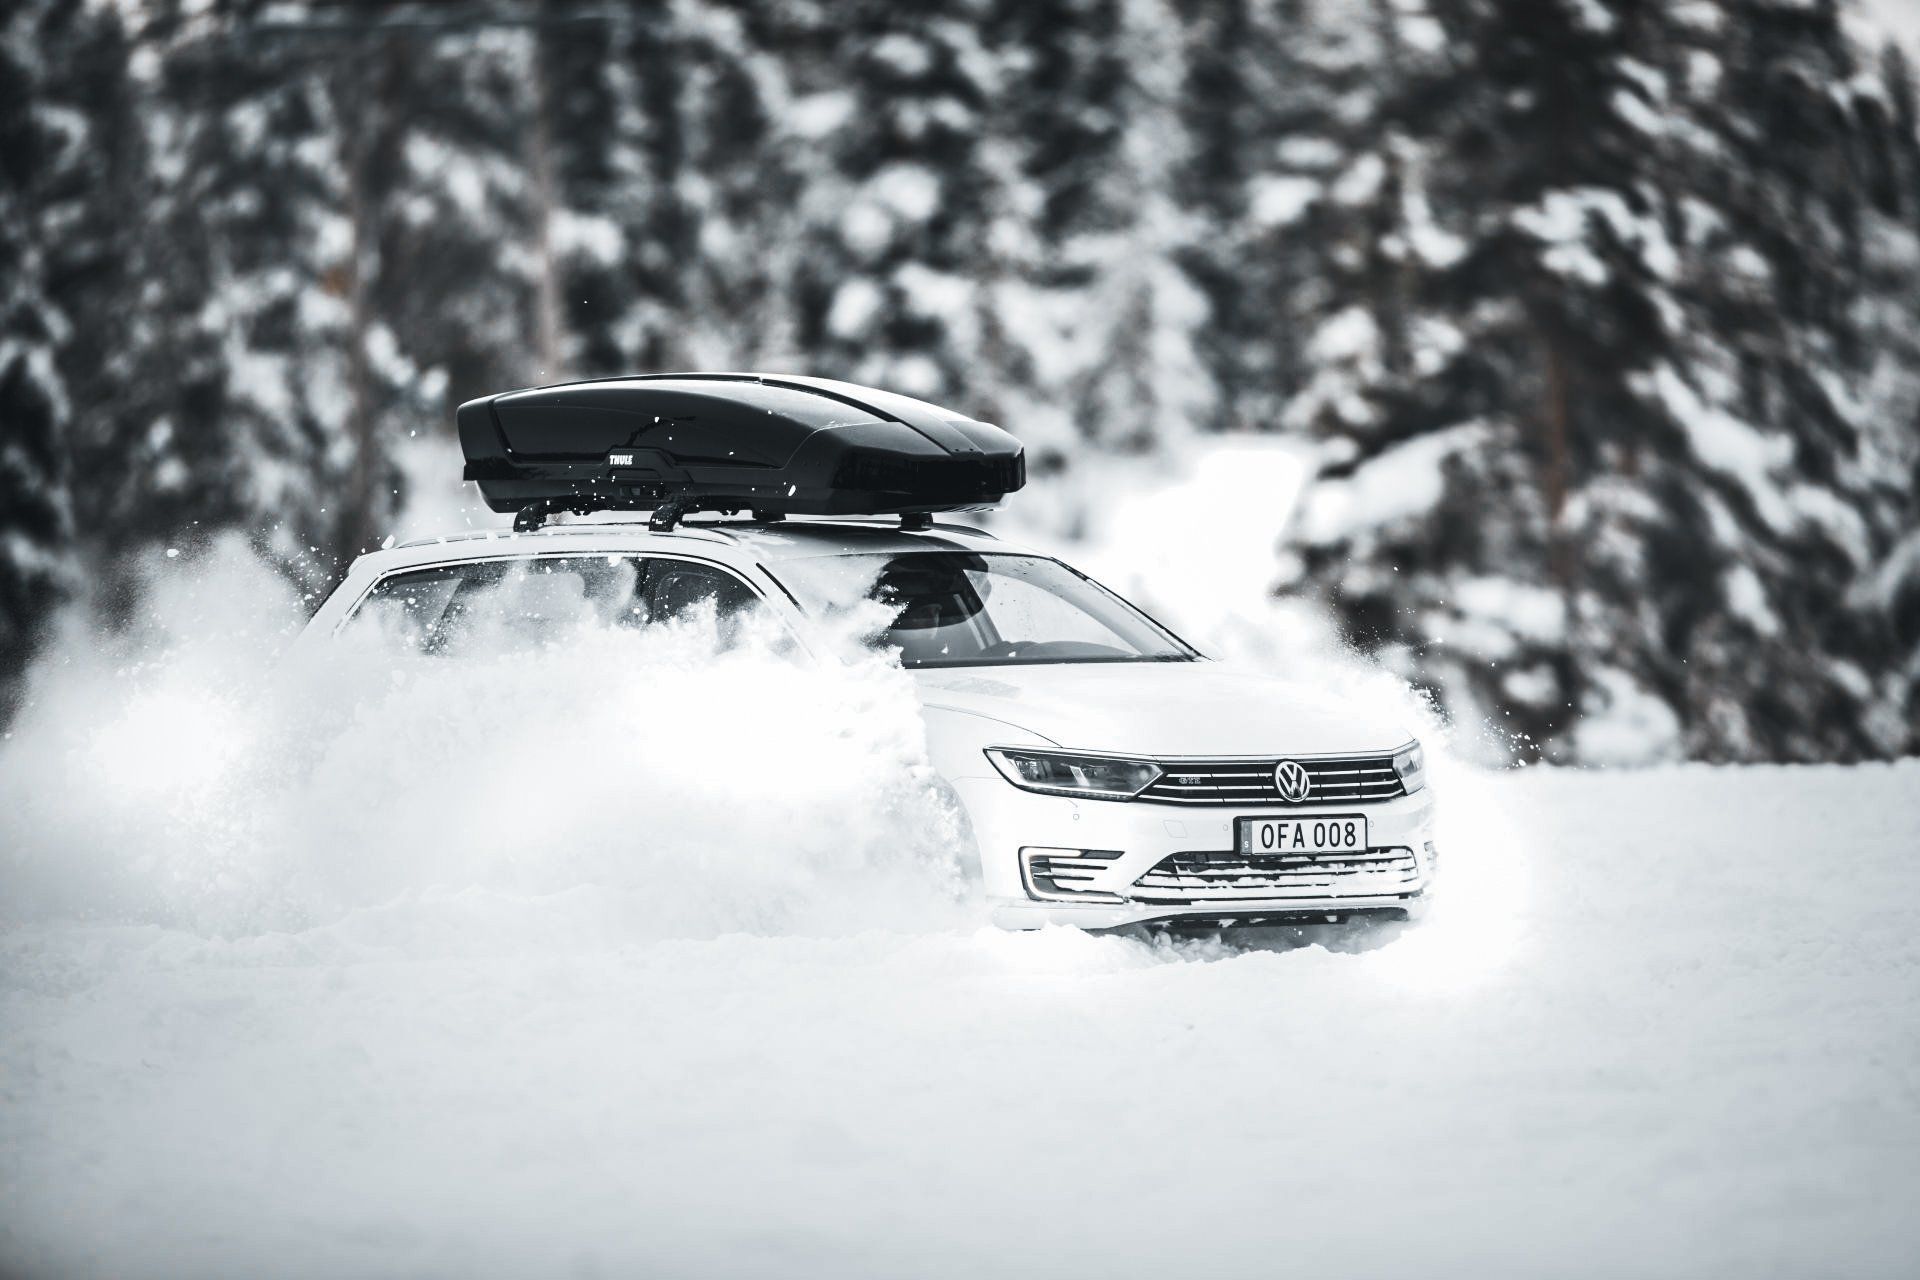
x: 1233, y: 877
x: 1356, y: 780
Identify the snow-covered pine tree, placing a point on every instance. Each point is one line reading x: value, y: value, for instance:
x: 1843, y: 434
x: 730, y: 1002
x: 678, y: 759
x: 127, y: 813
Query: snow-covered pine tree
x: 726, y: 160
x: 1263, y: 86
x: 587, y: 177
x: 1220, y: 101
x: 237, y: 370
x: 894, y: 253
x: 1478, y: 304
x: 1889, y: 309
x: 1565, y: 479
x: 35, y: 414
x: 461, y: 264
x: 668, y: 211
x: 1091, y: 323
x: 1798, y: 662
x: 111, y: 276
x: 620, y: 135
x: 282, y: 152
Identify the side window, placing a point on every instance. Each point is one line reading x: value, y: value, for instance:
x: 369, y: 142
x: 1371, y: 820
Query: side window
x: 506, y: 604
x: 686, y: 591
x: 940, y: 609
x: 502, y: 603
x: 407, y: 607
x: 677, y: 588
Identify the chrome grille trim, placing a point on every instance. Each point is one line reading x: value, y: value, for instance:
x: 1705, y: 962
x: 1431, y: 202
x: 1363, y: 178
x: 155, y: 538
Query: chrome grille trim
x: 1222, y: 876
x: 1336, y: 780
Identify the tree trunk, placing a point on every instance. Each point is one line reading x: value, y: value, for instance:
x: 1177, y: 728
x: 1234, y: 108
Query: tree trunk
x: 1556, y: 412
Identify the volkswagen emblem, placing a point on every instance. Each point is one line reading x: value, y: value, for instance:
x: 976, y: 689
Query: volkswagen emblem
x: 1293, y: 780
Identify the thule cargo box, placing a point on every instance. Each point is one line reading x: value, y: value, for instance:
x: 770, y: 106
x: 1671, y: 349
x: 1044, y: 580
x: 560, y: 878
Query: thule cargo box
x: 775, y: 445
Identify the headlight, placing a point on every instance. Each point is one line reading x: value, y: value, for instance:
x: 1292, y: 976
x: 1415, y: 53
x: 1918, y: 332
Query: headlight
x: 1055, y: 774
x: 1411, y: 765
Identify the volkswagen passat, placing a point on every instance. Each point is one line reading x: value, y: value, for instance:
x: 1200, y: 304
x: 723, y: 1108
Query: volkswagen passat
x: 1109, y: 773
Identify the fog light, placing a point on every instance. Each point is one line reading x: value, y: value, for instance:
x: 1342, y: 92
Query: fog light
x: 1065, y: 875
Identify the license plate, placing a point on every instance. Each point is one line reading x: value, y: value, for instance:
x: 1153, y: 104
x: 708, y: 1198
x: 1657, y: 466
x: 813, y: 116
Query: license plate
x: 1328, y: 833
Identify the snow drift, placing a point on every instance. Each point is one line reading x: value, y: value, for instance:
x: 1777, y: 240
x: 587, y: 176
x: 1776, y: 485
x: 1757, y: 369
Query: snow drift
x: 193, y: 779
x: 1687, y: 1055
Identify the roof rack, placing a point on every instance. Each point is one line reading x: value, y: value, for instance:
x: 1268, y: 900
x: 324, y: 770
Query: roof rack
x: 775, y: 445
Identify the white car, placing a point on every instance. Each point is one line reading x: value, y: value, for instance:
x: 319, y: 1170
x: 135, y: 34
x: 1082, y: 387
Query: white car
x: 1109, y: 773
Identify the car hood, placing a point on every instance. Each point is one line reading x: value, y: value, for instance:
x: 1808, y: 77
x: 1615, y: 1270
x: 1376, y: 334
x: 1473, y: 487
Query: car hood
x: 1161, y: 709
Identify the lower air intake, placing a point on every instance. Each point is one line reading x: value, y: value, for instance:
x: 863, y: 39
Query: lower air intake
x: 1232, y: 877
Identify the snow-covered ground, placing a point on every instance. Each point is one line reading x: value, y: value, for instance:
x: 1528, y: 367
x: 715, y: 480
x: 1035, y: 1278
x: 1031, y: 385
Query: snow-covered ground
x: 1666, y: 1024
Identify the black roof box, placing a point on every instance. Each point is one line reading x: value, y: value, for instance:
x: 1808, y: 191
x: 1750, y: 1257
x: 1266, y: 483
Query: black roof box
x: 773, y: 444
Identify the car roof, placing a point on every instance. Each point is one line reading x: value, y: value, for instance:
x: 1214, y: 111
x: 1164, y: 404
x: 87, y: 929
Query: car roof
x: 762, y: 542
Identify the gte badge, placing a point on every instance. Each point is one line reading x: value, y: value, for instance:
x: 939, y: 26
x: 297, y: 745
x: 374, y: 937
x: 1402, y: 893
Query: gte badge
x: 619, y: 459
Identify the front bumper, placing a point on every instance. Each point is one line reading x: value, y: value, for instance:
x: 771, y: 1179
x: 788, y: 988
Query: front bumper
x: 1127, y: 882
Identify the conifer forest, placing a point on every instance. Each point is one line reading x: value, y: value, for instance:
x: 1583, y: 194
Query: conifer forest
x: 1600, y: 319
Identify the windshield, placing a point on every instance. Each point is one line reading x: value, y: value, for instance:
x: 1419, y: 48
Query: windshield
x: 965, y: 609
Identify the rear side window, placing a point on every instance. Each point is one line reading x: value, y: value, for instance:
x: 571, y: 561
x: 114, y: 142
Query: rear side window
x: 677, y: 589
x: 513, y: 603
